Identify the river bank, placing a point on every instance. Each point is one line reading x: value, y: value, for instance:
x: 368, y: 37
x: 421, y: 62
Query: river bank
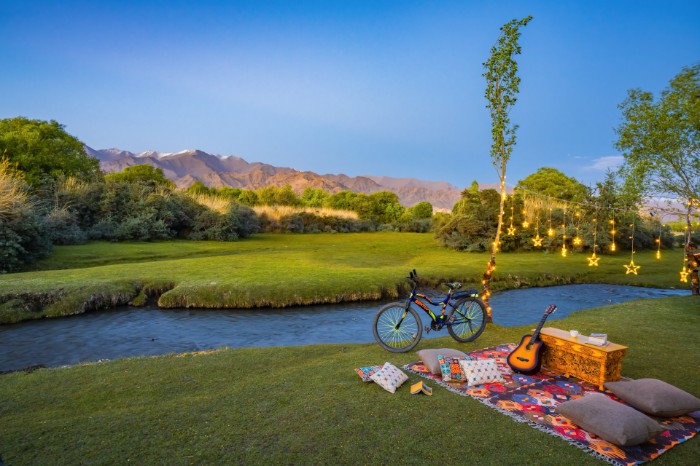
x: 278, y: 271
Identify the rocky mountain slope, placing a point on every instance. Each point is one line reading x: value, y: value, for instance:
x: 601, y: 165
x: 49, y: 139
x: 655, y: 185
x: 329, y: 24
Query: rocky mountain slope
x: 186, y: 167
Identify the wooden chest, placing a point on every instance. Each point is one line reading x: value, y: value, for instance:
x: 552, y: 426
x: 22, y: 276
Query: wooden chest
x: 595, y: 364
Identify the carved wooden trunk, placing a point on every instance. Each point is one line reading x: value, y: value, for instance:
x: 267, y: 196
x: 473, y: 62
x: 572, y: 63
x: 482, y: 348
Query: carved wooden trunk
x: 595, y: 364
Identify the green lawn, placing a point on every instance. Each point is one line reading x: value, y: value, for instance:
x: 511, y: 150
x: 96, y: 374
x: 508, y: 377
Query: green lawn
x: 305, y: 405
x: 283, y: 270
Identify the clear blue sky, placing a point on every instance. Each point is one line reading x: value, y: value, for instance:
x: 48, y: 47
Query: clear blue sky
x: 357, y: 87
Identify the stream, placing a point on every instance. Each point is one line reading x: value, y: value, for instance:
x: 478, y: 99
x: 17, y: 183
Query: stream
x: 124, y: 332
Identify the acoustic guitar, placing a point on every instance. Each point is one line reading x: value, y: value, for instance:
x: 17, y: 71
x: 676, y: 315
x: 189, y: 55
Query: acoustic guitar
x: 526, y: 358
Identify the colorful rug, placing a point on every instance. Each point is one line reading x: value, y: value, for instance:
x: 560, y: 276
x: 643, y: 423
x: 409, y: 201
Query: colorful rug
x: 532, y: 400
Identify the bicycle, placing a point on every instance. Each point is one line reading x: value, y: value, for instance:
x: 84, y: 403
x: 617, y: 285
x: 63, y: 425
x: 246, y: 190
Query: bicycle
x: 398, y: 328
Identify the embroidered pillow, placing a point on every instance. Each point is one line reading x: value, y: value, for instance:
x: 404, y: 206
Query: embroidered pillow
x: 450, y: 369
x: 389, y: 377
x: 655, y: 397
x: 366, y: 372
x: 430, y: 360
x: 611, y: 420
x: 481, y: 371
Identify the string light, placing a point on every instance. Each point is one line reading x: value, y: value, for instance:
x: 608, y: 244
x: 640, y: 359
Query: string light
x: 563, y: 239
x: 593, y: 260
x: 525, y: 223
x: 613, y: 246
x: 511, y: 229
x: 577, y: 239
x: 550, y: 231
x: 537, y: 240
x: 632, y: 268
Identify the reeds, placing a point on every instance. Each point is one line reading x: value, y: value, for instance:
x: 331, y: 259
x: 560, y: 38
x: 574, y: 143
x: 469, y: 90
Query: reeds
x: 13, y: 196
x: 276, y: 212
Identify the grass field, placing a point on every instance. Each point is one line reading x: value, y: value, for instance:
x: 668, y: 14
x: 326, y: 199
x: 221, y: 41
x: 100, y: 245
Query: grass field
x: 305, y: 405
x: 283, y: 270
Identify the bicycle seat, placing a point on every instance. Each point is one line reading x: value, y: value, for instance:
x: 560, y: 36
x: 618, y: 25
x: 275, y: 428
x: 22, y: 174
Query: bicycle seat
x: 454, y: 285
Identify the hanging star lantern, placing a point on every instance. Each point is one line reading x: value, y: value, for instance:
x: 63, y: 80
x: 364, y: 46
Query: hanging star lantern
x: 526, y: 224
x: 632, y: 268
x: 577, y: 241
x: 684, y: 275
x: 537, y: 241
x: 511, y: 231
x: 593, y: 260
x: 564, y: 251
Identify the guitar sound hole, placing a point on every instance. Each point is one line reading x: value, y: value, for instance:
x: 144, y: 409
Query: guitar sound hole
x: 520, y: 358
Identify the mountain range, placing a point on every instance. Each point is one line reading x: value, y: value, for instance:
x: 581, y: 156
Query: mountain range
x: 188, y: 166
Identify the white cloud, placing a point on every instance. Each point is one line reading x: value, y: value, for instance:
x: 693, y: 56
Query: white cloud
x: 605, y: 163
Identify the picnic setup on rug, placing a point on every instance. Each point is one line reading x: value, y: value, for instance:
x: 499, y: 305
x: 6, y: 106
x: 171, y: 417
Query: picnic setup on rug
x: 562, y: 383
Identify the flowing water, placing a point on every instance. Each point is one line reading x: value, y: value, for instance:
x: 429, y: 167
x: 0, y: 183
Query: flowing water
x: 150, y: 331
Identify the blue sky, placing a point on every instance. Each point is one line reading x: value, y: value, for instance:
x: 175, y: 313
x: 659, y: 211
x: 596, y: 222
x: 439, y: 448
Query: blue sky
x: 390, y: 88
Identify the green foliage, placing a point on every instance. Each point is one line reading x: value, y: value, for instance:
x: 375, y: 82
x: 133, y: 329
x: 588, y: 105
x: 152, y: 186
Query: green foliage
x: 422, y: 210
x: 473, y: 222
x: 502, y: 87
x: 314, y: 197
x: 43, y: 151
x: 24, y: 239
x: 555, y: 184
x: 142, y: 174
x: 661, y: 140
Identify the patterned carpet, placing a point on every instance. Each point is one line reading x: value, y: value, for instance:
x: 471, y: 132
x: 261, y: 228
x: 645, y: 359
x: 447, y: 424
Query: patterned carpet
x: 532, y: 400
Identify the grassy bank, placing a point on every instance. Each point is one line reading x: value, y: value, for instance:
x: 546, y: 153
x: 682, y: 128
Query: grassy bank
x: 284, y: 270
x: 305, y: 405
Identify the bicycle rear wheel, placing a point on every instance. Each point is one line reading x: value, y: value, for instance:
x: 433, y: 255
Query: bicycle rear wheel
x: 397, y: 328
x: 467, y: 320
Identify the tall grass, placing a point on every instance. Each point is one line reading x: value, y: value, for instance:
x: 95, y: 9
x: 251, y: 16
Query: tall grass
x: 13, y: 196
x: 215, y: 202
x: 276, y: 212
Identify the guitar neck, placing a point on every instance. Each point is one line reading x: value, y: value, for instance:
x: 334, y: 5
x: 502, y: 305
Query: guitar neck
x: 539, y: 326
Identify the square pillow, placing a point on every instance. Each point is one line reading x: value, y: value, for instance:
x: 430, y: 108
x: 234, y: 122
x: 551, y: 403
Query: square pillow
x: 481, y: 371
x: 451, y: 369
x: 389, y: 377
x: 655, y: 397
x: 610, y: 420
x: 430, y: 357
x: 366, y: 372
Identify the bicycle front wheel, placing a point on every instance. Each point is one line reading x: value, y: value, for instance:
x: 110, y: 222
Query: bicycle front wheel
x: 467, y: 320
x: 397, y: 328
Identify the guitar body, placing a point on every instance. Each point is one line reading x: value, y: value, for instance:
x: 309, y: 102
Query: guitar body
x: 527, y: 357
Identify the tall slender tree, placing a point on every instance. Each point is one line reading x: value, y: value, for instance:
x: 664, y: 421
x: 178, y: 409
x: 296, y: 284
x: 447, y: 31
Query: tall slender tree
x: 502, y: 87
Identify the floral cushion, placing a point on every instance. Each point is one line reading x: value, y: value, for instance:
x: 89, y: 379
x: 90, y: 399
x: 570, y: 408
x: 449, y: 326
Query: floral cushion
x: 430, y: 357
x: 451, y: 369
x: 366, y: 372
x: 389, y: 377
x: 481, y: 371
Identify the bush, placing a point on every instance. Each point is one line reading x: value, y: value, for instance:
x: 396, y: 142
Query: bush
x: 24, y: 239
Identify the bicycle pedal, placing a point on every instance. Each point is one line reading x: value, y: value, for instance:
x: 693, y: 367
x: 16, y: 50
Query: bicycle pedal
x: 427, y: 330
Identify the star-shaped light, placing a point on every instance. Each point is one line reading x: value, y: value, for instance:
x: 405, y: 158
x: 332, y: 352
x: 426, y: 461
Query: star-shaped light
x: 631, y: 268
x: 511, y: 231
x: 563, y: 251
x: 684, y: 275
x: 578, y: 241
x: 658, y: 254
x: 550, y: 232
x: 613, y: 247
x: 537, y: 241
x: 593, y: 261
x: 526, y: 224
